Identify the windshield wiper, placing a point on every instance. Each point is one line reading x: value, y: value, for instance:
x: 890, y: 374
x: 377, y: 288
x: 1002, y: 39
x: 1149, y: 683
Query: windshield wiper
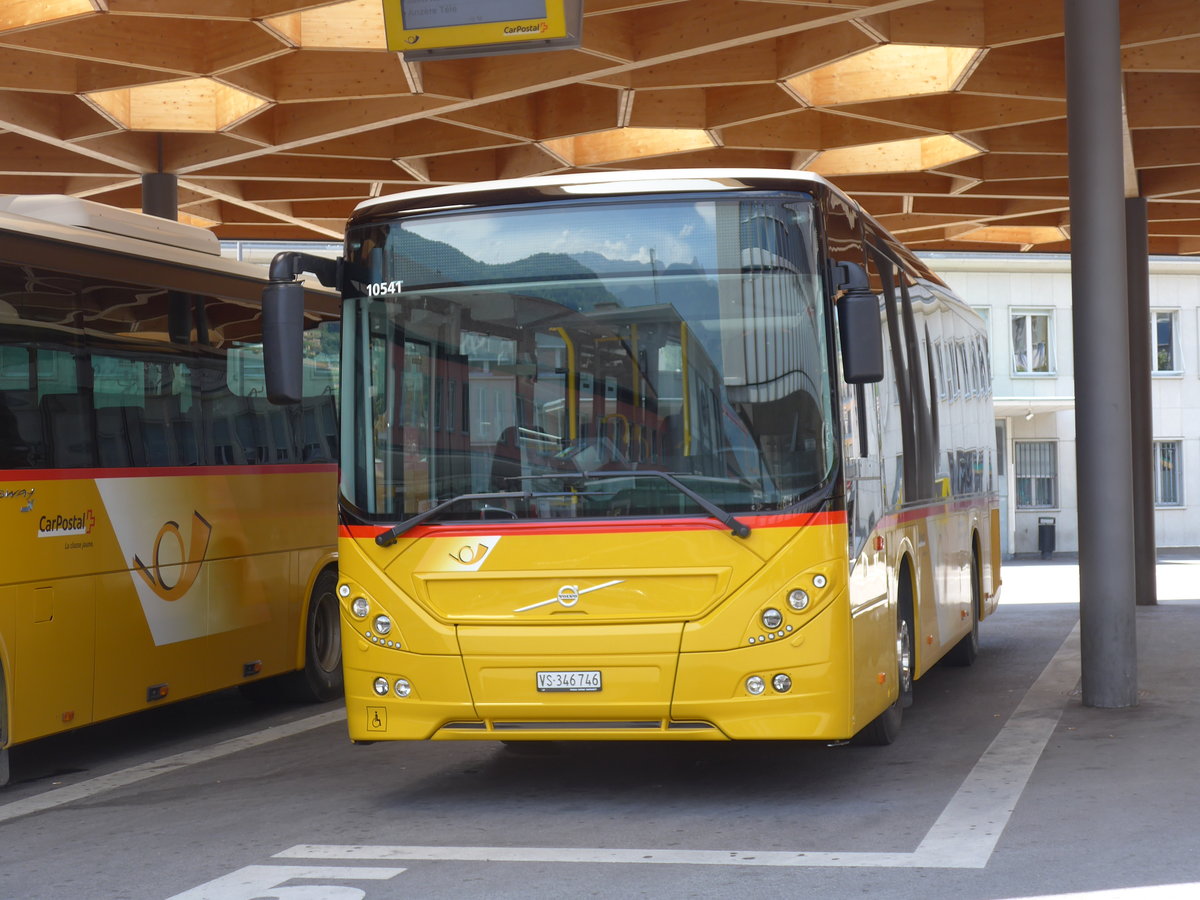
x: 389, y: 537
x: 739, y: 528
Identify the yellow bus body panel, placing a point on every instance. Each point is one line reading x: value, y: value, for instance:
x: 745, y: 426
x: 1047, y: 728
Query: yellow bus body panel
x: 675, y: 629
x: 122, y: 582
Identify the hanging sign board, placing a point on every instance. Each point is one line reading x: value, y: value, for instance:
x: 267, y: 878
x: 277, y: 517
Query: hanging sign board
x: 456, y: 28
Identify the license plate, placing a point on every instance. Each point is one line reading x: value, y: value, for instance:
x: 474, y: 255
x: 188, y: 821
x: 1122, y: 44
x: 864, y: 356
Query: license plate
x: 568, y: 681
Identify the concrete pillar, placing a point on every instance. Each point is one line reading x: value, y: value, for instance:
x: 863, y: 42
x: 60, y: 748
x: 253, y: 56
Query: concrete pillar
x: 1137, y: 267
x: 1100, y: 319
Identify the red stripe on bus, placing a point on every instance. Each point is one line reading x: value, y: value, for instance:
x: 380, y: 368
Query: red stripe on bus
x: 937, y: 508
x: 161, y: 472
x: 631, y: 526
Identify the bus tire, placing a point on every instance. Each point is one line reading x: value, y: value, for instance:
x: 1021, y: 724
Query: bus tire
x: 4, y: 769
x: 885, y: 728
x: 321, y: 677
x: 964, y: 652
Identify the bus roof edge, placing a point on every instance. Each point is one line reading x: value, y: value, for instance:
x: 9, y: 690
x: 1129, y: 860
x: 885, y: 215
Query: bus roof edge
x: 61, y: 209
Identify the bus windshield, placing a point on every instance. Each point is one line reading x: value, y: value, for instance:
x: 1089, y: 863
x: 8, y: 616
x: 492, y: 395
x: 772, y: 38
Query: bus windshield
x: 551, y: 352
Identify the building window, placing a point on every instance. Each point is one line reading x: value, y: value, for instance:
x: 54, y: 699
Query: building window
x: 1031, y: 349
x: 1036, y: 474
x: 1166, y: 352
x: 1168, y: 478
x: 986, y: 313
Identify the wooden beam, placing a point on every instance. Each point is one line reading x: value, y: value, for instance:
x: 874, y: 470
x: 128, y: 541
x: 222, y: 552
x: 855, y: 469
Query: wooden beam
x: 1162, y: 100
x: 742, y: 104
x: 1158, y: 147
x: 958, y: 23
x: 1034, y: 70
x: 726, y: 23
x: 670, y: 109
x: 575, y: 109
x: 751, y: 64
x: 1152, y: 21
x: 798, y: 53
x: 138, y: 42
x: 1170, y: 56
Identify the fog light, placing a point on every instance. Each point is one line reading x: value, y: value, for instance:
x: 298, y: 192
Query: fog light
x: 755, y: 685
x: 381, y: 686
x: 403, y: 687
x: 772, y: 619
x: 382, y: 625
x: 782, y: 683
x: 343, y: 591
x: 360, y: 607
x: 798, y: 600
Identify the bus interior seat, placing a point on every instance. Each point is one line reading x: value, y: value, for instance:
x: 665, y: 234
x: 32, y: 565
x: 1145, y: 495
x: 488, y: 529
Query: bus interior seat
x: 506, y: 461
x: 184, y: 431
x: 69, y: 429
x: 226, y: 449
x: 319, y: 428
x: 119, y: 436
x: 158, y: 430
x: 280, y: 434
x: 22, y: 433
x: 249, y: 427
x: 671, y: 443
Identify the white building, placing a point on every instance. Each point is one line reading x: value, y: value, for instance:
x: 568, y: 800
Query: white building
x: 1026, y: 299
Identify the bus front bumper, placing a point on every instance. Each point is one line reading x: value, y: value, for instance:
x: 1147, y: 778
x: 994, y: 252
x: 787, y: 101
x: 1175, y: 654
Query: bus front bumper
x: 648, y: 696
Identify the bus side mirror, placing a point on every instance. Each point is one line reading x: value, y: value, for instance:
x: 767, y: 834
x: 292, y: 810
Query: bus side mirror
x: 282, y: 338
x: 859, y: 328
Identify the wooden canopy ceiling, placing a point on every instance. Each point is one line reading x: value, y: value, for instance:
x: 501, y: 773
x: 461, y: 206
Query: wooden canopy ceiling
x: 945, y: 118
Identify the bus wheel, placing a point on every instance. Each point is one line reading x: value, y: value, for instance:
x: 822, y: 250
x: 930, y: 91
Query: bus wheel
x: 885, y: 727
x: 964, y: 652
x: 321, y: 677
x: 4, y: 770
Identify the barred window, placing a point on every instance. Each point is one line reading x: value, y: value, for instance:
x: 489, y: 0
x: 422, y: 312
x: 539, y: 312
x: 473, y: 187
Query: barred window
x: 1036, y: 474
x: 1168, y: 477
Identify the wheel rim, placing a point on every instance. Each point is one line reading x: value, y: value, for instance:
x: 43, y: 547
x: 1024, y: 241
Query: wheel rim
x: 904, y: 656
x: 976, y: 593
x: 327, y: 648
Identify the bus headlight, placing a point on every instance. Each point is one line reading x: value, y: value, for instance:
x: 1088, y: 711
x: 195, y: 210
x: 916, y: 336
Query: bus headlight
x: 381, y: 686
x: 798, y: 600
x: 360, y: 607
x: 772, y: 619
x: 343, y: 591
x: 782, y: 683
x: 403, y: 687
x: 755, y: 685
x: 382, y: 624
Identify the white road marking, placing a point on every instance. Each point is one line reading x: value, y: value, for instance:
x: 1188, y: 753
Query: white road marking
x: 251, y: 882
x: 84, y: 789
x: 1149, y: 892
x: 963, y: 837
x: 966, y: 832
x: 596, y: 855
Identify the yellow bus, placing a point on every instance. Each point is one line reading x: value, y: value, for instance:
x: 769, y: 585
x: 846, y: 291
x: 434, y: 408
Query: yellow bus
x: 686, y: 455
x: 166, y: 531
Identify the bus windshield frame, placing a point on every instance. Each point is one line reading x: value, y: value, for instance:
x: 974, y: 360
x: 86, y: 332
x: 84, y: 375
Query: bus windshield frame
x: 686, y: 335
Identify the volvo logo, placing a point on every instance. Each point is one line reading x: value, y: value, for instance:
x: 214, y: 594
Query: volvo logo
x: 568, y: 595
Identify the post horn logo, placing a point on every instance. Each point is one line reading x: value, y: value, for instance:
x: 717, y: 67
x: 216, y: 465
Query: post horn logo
x: 193, y: 557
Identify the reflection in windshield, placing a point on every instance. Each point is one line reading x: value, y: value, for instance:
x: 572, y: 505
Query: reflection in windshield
x: 533, y: 345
